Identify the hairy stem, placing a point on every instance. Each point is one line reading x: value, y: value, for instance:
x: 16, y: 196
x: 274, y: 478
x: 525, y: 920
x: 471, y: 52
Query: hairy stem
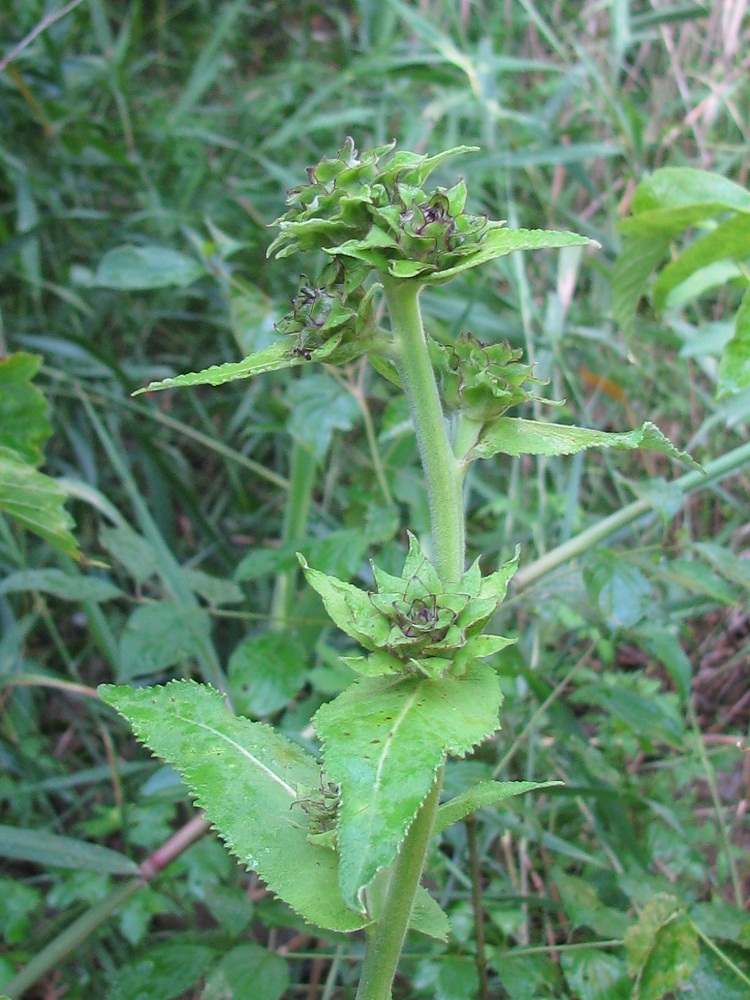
x: 441, y: 470
x: 444, y: 489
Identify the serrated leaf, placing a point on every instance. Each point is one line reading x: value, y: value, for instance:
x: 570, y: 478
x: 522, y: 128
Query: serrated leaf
x: 160, y: 635
x: 428, y: 918
x: 137, y: 268
x: 70, y: 587
x: 661, y: 947
x: 48, y: 849
x: 245, y: 775
x: 24, y: 426
x: 383, y: 741
x: 513, y: 436
x: 36, y: 502
x: 487, y: 793
x: 272, y: 358
x: 500, y: 242
x: 734, y: 367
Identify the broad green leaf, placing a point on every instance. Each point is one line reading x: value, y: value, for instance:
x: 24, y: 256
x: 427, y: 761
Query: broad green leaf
x: 734, y: 367
x: 500, y: 242
x: 584, y: 908
x: 383, y: 741
x: 728, y: 241
x: 213, y: 589
x: 428, y: 918
x: 513, y: 436
x: 35, y: 501
x: 620, y: 591
x: 319, y: 407
x: 487, y: 793
x: 596, y: 975
x: 131, y: 550
x: 526, y: 977
x: 638, y: 258
x: 166, y: 971
x: 266, y: 671
x: 48, y: 849
x: 24, y: 426
x: 722, y: 973
x: 137, y: 268
x: 450, y: 978
x: 674, y: 188
x: 245, y: 775
x: 59, y: 584
x: 662, y: 948
x: 160, y: 635
x: 247, y: 972
x: 667, y: 649
x: 18, y: 912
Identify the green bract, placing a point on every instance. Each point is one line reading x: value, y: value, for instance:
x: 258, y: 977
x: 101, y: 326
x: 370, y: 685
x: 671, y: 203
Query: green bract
x: 481, y: 380
x: 415, y: 624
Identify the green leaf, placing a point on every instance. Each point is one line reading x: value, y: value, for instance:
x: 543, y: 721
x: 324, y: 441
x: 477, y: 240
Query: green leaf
x: 722, y: 973
x: 487, y: 793
x: 266, y: 671
x: 131, y: 550
x: 671, y: 189
x: 383, y: 741
x: 213, y: 589
x: 667, y: 649
x: 730, y: 240
x: 36, y: 502
x: 24, y: 426
x: 428, y: 918
x: 70, y: 587
x: 136, y: 268
x: 596, y: 975
x: 513, y: 436
x: 165, y: 971
x: 584, y: 908
x: 638, y: 258
x: 620, y: 591
x: 245, y: 775
x: 319, y: 407
x: 161, y: 635
x: 734, y: 367
x: 662, y: 948
x: 451, y: 978
x: 500, y: 242
x: 48, y: 849
x: 247, y: 972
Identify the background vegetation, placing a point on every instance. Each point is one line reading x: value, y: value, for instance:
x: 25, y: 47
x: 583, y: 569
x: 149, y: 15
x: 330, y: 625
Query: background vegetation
x: 172, y: 129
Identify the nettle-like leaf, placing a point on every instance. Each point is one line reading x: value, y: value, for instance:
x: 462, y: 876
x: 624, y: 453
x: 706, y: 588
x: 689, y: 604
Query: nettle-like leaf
x: 513, y: 436
x: 246, y: 776
x: 415, y: 624
x: 384, y: 739
x: 35, y: 501
x: 487, y: 793
x: 24, y: 426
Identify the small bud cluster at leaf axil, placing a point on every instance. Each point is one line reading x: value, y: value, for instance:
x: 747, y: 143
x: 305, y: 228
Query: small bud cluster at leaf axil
x: 414, y: 624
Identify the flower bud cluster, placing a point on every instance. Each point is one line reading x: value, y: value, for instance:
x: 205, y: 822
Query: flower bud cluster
x: 381, y: 215
x: 482, y: 380
x: 415, y: 624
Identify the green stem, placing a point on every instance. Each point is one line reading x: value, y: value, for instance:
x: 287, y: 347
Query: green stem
x: 301, y: 483
x: 385, y: 943
x: 441, y: 470
x: 444, y: 489
x: 597, y: 533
